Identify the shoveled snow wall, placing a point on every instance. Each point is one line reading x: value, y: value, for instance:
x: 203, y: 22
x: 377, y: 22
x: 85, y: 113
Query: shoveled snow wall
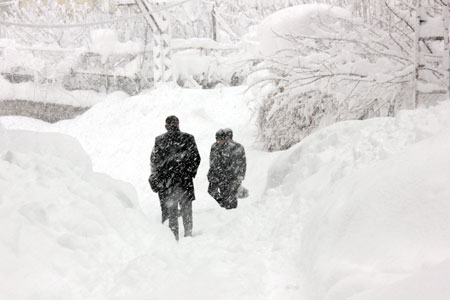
x: 370, y: 200
x: 66, y: 230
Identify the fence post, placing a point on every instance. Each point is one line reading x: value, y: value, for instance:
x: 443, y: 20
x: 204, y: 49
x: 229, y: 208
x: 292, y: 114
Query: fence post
x: 162, y: 60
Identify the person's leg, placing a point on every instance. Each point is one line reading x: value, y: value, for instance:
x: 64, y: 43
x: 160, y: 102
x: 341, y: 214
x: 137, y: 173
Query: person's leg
x: 232, y: 202
x: 231, y: 195
x: 164, y: 209
x: 172, y: 209
x: 224, y: 193
x: 186, y: 214
x: 213, y: 190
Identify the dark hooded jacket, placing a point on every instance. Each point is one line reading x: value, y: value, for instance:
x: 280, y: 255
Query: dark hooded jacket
x: 174, y: 162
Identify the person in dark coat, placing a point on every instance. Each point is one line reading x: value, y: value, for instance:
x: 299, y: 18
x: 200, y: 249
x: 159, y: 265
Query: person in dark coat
x: 174, y: 162
x: 237, y: 171
x: 228, y: 166
x: 214, y: 174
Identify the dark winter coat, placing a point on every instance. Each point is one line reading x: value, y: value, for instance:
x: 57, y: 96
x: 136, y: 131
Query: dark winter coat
x: 239, y: 160
x: 174, y: 162
x: 214, y: 163
x: 227, y: 162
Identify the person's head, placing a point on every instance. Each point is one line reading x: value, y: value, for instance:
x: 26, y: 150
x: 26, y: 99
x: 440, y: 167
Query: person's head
x: 220, y: 136
x: 228, y: 133
x: 172, y: 123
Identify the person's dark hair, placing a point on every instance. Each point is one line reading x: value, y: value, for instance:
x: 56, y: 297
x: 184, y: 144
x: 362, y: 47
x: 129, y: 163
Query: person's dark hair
x: 228, y: 133
x: 172, y: 120
x: 172, y: 123
x: 220, y: 135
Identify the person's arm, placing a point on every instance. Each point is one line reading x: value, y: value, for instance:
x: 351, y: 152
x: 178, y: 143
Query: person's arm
x: 212, y: 155
x: 241, y: 162
x: 194, y: 157
x: 212, y: 160
x: 154, y: 178
x: 154, y: 158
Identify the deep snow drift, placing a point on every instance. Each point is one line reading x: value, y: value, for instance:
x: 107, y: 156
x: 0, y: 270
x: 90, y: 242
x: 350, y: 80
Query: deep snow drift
x: 65, y: 229
x: 359, y: 210
x: 372, y: 199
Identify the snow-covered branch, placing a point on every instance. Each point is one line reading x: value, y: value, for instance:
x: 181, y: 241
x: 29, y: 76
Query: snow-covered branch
x: 338, y: 67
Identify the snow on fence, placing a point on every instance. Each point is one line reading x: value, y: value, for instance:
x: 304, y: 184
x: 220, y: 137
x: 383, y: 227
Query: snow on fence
x: 127, y: 69
x: 75, y: 69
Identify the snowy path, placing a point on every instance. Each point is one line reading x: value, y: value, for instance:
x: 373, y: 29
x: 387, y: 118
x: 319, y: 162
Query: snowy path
x: 358, y: 210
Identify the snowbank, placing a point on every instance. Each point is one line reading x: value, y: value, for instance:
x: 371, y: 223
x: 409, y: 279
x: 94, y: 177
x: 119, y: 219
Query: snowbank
x: 372, y: 200
x: 358, y: 210
x: 66, y: 231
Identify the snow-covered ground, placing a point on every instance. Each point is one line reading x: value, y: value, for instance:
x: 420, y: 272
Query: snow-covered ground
x: 358, y: 210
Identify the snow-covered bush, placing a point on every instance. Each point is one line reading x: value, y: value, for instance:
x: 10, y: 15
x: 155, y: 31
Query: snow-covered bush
x: 326, y: 65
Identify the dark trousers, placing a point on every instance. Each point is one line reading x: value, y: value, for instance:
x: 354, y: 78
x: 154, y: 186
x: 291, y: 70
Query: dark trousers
x: 225, y: 193
x: 164, y: 209
x: 214, y: 191
x: 178, y: 197
x: 229, y: 192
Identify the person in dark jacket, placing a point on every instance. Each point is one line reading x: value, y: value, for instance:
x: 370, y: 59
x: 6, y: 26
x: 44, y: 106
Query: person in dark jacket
x: 174, y: 162
x: 228, y: 166
x: 237, y: 170
x: 214, y: 170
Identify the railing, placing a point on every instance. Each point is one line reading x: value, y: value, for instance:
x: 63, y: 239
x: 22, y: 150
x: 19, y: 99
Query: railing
x: 95, y: 72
